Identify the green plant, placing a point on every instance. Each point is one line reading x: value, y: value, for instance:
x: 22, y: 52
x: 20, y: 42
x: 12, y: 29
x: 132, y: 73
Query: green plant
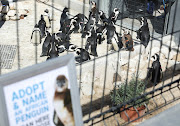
x: 132, y: 91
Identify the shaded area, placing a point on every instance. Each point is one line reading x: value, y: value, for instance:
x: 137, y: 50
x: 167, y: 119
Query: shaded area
x: 1, y: 23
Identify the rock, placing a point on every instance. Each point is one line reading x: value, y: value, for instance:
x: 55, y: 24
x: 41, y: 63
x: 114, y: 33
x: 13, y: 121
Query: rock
x: 11, y: 13
x: 118, y: 84
x: 87, y: 89
x: 178, y: 57
x: 22, y: 12
x: 142, y: 74
x: 12, y: 6
x: 166, y: 52
x: 5, y: 9
x: 6, y: 18
x: 14, y: 18
x: 1, y: 6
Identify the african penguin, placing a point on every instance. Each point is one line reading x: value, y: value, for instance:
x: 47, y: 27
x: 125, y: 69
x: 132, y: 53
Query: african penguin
x: 63, y: 111
x: 92, y: 42
x: 64, y: 17
x: 46, y: 45
x: 53, y: 51
x: 114, y: 15
x: 94, y: 11
x: 47, y: 18
x: 42, y: 26
x: 156, y: 70
x: 143, y: 33
x: 83, y: 55
x: 103, y: 17
x: 36, y: 36
x: 127, y: 41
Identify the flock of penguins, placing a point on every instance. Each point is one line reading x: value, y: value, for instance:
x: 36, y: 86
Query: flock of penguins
x: 96, y: 29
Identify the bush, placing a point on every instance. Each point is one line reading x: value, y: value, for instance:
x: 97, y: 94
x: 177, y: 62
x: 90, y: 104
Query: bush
x: 117, y: 95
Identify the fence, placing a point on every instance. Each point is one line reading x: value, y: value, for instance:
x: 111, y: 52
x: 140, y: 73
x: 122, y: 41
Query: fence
x: 114, y: 81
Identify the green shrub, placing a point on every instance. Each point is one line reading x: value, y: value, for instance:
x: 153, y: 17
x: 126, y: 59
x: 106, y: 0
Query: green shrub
x: 117, y: 95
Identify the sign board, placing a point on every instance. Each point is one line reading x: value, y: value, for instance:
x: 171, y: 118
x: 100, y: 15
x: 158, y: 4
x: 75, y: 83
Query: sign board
x: 45, y: 94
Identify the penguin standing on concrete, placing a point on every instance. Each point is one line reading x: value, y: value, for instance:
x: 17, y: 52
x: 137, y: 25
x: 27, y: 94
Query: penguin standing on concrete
x: 127, y: 41
x: 143, y: 33
x: 83, y: 55
x: 103, y: 18
x: 64, y: 17
x: 53, y: 51
x: 47, y: 18
x: 63, y: 111
x: 36, y: 36
x: 114, y: 15
x: 92, y: 42
x: 42, y: 26
x: 46, y: 45
x: 155, y: 72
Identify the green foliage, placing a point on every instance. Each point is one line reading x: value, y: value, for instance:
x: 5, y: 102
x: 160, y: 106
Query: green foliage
x: 117, y: 95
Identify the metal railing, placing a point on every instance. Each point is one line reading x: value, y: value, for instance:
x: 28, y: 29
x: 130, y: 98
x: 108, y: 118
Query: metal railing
x: 99, y: 110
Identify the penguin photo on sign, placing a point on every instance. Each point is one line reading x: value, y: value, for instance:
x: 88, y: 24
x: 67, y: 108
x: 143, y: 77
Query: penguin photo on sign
x: 82, y: 55
x: 53, y: 53
x: 63, y: 111
x: 127, y: 41
x: 42, y: 26
x: 64, y: 17
x: 36, y: 36
x: 92, y: 42
x: 143, y: 33
x: 46, y: 45
x: 47, y: 18
x: 155, y: 72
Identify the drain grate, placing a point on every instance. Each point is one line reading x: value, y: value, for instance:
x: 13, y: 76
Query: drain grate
x: 7, y: 55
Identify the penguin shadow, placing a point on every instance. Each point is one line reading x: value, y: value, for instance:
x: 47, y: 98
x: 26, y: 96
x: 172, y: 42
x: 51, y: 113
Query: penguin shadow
x: 158, y: 24
x: 1, y: 23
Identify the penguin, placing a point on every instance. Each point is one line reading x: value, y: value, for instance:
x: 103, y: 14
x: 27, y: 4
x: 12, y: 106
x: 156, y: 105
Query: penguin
x: 42, y: 26
x: 92, y: 42
x: 143, y: 33
x: 155, y: 70
x: 89, y: 25
x: 113, y: 16
x: 127, y: 41
x: 101, y: 30
x: 53, y: 51
x: 36, y: 36
x: 47, y: 19
x: 46, y: 45
x: 64, y: 17
x: 66, y: 28
x: 80, y: 22
x: 94, y: 11
x: 103, y: 18
x: 63, y: 111
x: 83, y: 55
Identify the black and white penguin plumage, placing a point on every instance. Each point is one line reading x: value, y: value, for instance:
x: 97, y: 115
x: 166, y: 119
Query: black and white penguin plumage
x: 89, y: 25
x: 155, y: 72
x: 113, y: 39
x: 42, y: 26
x: 64, y: 17
x: 143, y: 33
x: 47, y: 18
x: 103, y: 18
x: 91, y: 42
x: 80, y: 22
x: 114, y: 16
x: 83, y: 55
x: 46, y: 45
x: 94, y: 11
x: 36, y: 36
x: 53, y: 53
x: 63, y: 111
